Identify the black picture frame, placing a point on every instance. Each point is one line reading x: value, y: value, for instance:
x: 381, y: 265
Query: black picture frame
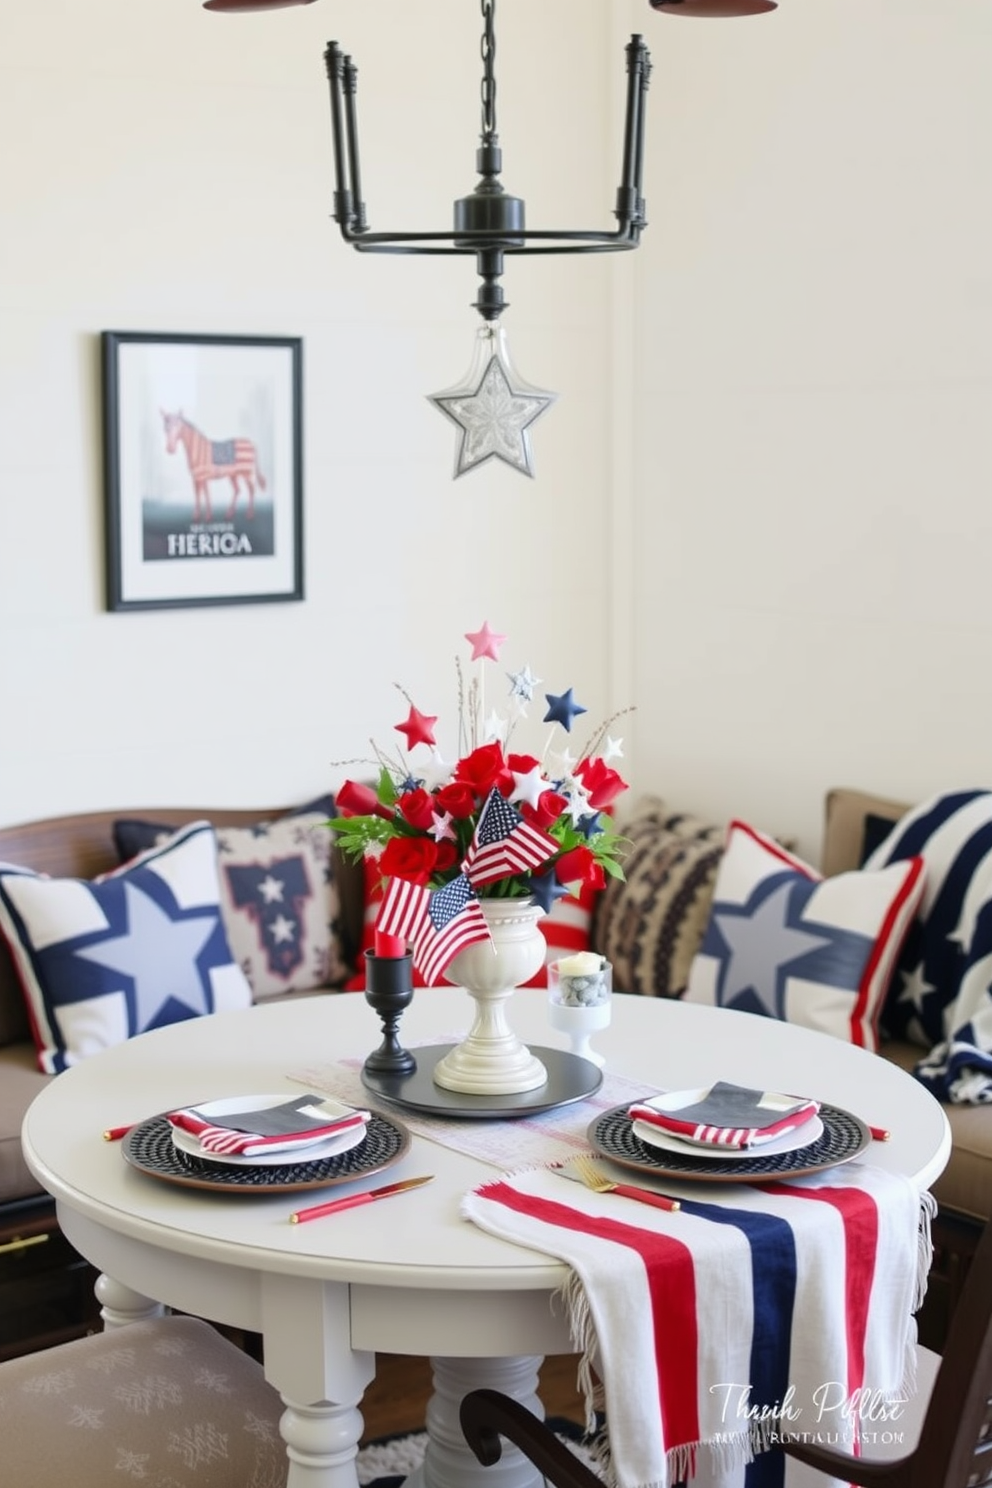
x: 203, y: 440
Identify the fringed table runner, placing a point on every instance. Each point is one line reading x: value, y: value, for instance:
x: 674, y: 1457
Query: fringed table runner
x: 752, y: 1310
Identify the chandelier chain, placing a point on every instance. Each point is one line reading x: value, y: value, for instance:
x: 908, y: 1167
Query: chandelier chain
x: 488, y: 90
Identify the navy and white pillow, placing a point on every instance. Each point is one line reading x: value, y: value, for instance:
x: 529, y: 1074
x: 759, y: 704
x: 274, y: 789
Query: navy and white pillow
x: 278, y: 896
x: 941, y: 994
x: 784, y: 942
x: 101, y: 960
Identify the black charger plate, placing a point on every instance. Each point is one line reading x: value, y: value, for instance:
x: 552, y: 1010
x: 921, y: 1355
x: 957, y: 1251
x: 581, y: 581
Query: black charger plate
x: 844, y: 1137
x: 149, y: 1148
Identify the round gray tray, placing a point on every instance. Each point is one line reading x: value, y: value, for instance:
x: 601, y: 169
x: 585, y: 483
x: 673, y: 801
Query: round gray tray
x: 569, y: 1079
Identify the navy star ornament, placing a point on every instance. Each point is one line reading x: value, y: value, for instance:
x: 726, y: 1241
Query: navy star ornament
x: 562, y: 708
x: 493, y: 408
x: 545, y: 889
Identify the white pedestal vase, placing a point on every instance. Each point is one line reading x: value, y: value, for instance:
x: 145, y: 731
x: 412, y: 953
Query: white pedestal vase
x: 491, y: 1060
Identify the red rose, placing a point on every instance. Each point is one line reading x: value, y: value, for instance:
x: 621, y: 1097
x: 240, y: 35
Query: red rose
x: 549, y: 808
x: 359, y: 800
x: 412, y: 858
x: 447, y: 856
x: 417, y: 807
x: 602, y: 783
x: 522, y: 763
x: 577, y: 866
x: 458, y: 799
x: 484, y: 768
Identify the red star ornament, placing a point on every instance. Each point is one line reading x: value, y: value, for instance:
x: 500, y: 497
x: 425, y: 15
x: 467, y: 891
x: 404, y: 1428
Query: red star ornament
x: 419, y: 728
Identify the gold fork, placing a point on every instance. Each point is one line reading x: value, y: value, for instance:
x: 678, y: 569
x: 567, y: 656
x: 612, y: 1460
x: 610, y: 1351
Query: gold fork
x: 586, y: 1171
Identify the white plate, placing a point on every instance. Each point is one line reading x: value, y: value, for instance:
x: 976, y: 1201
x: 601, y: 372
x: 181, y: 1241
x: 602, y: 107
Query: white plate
x: 810, y: 1131
x: 672, y: 1101
x: 306, y: 1152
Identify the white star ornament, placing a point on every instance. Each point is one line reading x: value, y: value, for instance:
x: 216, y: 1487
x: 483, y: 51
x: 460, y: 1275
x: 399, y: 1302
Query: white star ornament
x: 528, y: 786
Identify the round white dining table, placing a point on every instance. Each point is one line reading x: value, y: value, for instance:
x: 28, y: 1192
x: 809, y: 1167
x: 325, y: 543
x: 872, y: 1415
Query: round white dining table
x: 407, y: 1275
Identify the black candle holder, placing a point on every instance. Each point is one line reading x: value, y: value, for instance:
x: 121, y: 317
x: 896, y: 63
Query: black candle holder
x: 389, y: 991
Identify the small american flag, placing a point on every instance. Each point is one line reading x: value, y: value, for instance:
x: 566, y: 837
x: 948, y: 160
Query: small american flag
x: 404, y: 906
x: 504, y: 843
x: 453, y: 920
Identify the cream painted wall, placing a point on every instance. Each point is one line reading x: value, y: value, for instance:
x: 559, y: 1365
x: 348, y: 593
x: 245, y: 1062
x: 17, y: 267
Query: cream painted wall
x: 166, y: 169
x: 762, y: 507
x: 813, y: 376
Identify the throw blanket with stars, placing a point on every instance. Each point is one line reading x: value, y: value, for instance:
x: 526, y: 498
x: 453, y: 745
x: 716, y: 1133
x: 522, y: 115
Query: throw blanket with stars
x: 941, y: 994
x: 750, y: 1310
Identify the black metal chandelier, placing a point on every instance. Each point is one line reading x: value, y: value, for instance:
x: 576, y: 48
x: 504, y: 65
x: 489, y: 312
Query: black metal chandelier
x: 488, y: 223
x: 493, y: 408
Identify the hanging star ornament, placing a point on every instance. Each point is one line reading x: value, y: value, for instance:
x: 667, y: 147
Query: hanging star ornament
x: 493, y: 408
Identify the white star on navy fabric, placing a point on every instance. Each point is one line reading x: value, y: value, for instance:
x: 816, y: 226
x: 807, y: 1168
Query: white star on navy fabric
x: 764, y: 943
x: 164, y: 975
x: 282, y: 929
x: 912, y: 999
x: 494, y: 419
x: 271, y: 889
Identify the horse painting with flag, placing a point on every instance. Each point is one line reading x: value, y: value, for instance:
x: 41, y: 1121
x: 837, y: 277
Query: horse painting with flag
x: 235, y: 460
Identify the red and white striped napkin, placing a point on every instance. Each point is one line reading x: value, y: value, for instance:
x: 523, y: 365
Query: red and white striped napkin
x: 727, y: 1115
x: 701, y: 1323
x: 293, y: 1125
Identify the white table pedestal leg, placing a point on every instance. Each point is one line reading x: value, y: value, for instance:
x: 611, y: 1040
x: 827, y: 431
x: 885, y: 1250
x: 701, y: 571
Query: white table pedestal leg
x: 321, y: 1444
x: 119, y: 1305
x: 449, y: 1462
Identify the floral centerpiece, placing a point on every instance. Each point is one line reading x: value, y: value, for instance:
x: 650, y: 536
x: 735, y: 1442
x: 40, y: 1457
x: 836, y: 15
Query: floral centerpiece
x: 497, y: 823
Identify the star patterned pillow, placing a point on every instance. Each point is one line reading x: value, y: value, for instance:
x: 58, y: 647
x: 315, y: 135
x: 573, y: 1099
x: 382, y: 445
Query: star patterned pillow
x: 784, y: 942
x: 133, y: 950
x: 278, y: 897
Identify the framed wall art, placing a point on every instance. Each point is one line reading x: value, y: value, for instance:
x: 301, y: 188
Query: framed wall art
x: 202, y: 458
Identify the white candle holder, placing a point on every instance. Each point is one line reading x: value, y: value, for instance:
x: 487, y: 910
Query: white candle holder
x: 580, y: 991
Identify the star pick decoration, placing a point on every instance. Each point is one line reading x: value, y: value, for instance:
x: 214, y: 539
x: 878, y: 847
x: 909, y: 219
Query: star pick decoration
x: 522, y: 683
x: 419, y: 728
x: 562, y: 708
x: 545, y: 889
x: 528, y: 786
x: 485, y: 642
x: 493, y: 409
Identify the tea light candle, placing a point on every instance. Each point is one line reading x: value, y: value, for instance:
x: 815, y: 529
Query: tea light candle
x: 582, y: 979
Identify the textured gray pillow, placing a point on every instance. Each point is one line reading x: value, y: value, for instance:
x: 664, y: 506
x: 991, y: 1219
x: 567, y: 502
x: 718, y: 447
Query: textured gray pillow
x: 651, y: 925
